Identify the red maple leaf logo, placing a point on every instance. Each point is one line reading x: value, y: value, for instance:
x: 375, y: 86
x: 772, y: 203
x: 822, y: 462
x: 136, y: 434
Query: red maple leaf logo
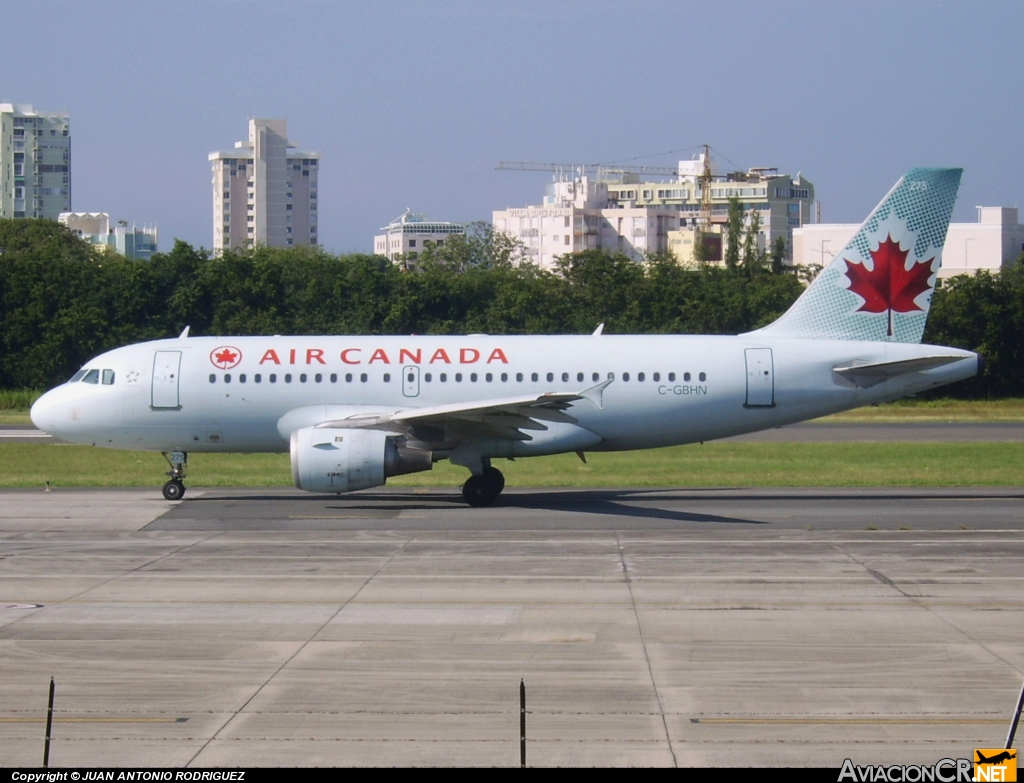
x: 889, y: 286
x: 226, y: 357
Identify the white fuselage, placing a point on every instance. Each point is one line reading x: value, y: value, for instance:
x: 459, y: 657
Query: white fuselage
x: 245, y: 394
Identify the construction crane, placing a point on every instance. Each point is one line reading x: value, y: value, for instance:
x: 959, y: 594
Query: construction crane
x: 705, y: 191
x: 700, y: 248
x: 598, y: 169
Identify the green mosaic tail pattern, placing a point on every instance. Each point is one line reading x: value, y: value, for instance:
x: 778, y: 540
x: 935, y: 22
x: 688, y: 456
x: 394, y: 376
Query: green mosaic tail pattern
x: 880, y: 287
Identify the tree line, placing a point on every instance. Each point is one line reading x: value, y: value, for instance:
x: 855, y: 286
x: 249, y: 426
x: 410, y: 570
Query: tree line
x: 61, y: 302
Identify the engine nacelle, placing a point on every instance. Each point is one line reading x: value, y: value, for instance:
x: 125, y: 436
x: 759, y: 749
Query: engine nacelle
x: 336, y: 459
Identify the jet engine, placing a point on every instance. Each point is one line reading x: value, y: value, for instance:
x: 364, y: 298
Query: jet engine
x: 337, y: 459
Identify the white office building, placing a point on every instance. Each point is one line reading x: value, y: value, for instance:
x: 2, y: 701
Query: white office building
x: 35, y: 162
x: 409, y: 234
x: 995, y: 240
x: 130, y: 241
x: 264, y: 191
x: 620, y: 213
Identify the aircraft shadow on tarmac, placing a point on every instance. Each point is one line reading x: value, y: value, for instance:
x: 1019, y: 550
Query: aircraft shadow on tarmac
x: 653, y: 505
x: 602, y: 502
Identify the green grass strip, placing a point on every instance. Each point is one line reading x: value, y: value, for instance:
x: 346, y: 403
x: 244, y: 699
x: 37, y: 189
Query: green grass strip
x: 708, y: 465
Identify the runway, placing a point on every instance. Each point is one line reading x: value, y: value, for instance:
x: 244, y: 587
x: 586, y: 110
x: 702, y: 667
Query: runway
x: 653, y: 627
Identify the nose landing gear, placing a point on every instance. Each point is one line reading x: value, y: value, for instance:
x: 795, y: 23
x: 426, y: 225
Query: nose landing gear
x: 482, y: 490
x: 175, y: 488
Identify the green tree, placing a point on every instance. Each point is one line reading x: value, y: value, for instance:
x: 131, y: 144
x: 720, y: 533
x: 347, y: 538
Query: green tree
x: 753, y: 256
x: 733, y: 233
x: 779, y: 255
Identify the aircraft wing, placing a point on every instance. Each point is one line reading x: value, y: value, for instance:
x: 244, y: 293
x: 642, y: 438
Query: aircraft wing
x: 505, y: 418
x: 872, y: 373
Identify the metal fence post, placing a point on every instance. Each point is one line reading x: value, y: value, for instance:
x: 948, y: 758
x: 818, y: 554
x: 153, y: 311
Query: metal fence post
x: 1016, y: 719
x: 522, y: 723
x: 49, y: 726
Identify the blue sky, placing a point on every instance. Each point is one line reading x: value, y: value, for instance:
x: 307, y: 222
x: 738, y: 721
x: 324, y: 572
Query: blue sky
x: 411, y: 104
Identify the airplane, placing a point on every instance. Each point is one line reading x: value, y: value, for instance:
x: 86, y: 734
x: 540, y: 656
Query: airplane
x: 1006, y: 755
x: 353, y: 411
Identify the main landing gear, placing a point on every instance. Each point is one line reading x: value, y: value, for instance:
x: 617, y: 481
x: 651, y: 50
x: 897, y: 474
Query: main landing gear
x: 482, y: 490
x: 175, y: 488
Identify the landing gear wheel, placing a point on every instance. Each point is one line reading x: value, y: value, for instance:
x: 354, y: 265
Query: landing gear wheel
x: 174, y: 490
x: 496, y: 478
x: 479, y: 491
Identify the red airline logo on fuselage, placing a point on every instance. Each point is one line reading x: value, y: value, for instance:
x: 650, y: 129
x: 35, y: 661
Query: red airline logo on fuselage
x: 380, y: 355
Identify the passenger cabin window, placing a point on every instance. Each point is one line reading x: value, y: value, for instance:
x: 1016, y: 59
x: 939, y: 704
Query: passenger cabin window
x: 108, y: 377
x: 213, y: 378
x: 92, y: 376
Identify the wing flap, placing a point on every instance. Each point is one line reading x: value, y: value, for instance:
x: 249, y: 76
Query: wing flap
x: 504, y: 417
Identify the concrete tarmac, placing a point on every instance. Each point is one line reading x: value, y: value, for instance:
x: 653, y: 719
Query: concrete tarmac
x: 392, y: 627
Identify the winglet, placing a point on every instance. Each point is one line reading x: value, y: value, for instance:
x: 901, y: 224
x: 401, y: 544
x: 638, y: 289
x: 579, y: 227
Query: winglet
x: 596, y: 394
x: 184, y: 333
x: 598, y: 330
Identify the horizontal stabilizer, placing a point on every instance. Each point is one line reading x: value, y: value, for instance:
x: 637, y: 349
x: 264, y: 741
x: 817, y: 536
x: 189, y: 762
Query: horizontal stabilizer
x: 871, y: 374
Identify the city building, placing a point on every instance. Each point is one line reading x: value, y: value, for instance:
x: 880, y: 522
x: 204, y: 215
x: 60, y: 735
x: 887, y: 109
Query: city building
x: 407, y: 235
x: 35, y: 162
x: 94, y: 227
x: 617, y: 212
x: 995, y: 240
x: 264, y: 191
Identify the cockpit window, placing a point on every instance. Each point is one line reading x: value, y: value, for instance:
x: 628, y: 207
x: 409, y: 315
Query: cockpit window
x: 108, y: 377
x: 91, y: 376
x: 77, y: 376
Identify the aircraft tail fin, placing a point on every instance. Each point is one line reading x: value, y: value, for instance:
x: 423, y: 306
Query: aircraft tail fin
x: 879, y: 288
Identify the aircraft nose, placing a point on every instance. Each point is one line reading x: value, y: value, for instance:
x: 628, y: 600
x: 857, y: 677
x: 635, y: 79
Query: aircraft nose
x: 42, y: 412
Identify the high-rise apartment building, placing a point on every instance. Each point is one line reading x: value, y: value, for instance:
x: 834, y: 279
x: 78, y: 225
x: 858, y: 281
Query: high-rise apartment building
x: 264, y: 191
x: 35, y: 162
